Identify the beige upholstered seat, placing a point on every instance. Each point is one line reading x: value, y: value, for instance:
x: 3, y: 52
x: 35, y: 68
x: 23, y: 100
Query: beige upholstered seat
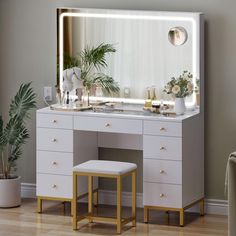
x: 105, y: 167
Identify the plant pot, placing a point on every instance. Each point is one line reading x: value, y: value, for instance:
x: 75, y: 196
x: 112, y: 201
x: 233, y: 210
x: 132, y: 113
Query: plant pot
x: 179, y: 106
x: 10, y: 192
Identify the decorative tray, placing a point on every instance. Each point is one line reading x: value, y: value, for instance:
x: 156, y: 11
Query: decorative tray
x: 57, y: 107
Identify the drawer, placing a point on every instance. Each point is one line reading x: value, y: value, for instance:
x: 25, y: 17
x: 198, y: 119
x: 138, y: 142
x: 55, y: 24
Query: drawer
x: 57, y: 186
x: 162, y: 128
x: 54, y: 121
x: 54, y: 140
x: 60, y: 186
x: 159, y: 147
x: 161, y: 171
x: 54, y: 162
x: 163, y: 195
x: 112, y: 125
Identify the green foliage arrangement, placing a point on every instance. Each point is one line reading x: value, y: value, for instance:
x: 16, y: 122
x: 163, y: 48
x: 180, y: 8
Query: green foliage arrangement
x: 15, y: 133
x: 91, y: 61
x: 181, y: 86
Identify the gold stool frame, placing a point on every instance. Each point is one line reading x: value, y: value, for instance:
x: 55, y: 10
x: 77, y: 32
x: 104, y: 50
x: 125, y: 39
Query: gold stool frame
x: 119, y: 221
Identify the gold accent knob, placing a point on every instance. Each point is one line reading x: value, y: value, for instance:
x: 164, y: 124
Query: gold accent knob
x: 162, y: 129
x: 54, y: 163
x: 162, y: 148
x: 54, y: 140
x: 54, y: 121
x: 54, y: 186
x: 162, y: 195
x: 162, y: 171
x: 107, y: 125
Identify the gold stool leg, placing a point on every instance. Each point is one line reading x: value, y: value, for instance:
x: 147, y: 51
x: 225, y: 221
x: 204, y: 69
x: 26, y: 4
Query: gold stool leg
x: 39, y: 205
x: 74, y: 201
x: 134, y: 186
x: 202, y: 206
x: 146, y: 214
x: 95, y: 198
x: 181, y: 217
x: 90, y: 196
x: 119, y: 212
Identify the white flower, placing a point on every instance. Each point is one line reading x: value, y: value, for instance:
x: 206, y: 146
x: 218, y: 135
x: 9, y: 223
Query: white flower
x: 175, y: 89
x: 190, y: 87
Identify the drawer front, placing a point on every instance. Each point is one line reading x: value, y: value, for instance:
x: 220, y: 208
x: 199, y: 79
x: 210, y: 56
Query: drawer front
x: 55, y: 140
x: 54, y: 186
x: 160, y: 171
x: 163, y: 128
x: 54, y: 121
x: 163, y: 195
x: 54, y: 162
x: 159, y: 147
x: 112, y: 125
x: 60, y: 186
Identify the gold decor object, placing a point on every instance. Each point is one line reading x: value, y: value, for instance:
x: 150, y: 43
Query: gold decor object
x: 58, y: 107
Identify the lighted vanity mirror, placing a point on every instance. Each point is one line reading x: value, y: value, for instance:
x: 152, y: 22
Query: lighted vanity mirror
x: 144, y: 56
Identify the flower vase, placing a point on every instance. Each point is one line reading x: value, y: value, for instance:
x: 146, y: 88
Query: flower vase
x: 179, y: 106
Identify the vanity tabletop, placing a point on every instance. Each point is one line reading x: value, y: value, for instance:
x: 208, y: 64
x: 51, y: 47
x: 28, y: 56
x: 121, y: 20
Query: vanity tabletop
x: 124, y: 114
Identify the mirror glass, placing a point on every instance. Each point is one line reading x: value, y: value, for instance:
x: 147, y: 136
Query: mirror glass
x: 178, y: 36
x: 144, y: 56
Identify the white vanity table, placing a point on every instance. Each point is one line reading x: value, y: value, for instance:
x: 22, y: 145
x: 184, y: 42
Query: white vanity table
x: 173, y: 153
x: 151, y: 48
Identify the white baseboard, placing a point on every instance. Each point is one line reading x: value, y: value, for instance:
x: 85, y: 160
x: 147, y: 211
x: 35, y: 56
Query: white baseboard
x: 212, y: 206
x: 28, y: 190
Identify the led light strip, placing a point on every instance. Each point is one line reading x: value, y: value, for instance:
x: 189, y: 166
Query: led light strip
x: 123, y: 16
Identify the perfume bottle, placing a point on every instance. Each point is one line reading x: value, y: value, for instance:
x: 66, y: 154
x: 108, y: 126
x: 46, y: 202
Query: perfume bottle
x: 148, y: 101
x: 154, y: 97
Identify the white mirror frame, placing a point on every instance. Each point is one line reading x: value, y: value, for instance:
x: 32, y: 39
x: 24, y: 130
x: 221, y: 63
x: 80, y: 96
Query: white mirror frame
x: 194, y: 18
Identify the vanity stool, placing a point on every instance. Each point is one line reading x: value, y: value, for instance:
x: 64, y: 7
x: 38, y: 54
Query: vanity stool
x: 107, y: 169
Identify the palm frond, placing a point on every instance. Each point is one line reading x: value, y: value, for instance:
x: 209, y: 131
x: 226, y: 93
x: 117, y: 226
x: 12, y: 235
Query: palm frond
x: 96, y: 56
x: 107, y: 83
x: 23, y: 101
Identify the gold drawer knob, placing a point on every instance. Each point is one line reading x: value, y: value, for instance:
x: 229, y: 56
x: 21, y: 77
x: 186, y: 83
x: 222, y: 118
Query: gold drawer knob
x: 54, y: 140
x: 162, y: 148
x: 162, y: 171
x: 107, y: 125
x: 54, y: 163
x: 54, y: 121
x: 162, y: 195
x: 54, y: 186
x: 162, y: 129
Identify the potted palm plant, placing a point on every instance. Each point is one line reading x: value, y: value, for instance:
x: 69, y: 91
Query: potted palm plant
x: 12, y: 136
x: 87, y: 68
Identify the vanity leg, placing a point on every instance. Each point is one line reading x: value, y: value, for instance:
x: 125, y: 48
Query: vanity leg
x: 202, y: 206
x: 146, y: 214
x: 39, y: 205
x: 181, y: 217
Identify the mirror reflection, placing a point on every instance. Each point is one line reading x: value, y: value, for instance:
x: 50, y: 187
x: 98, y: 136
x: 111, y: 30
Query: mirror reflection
x: 144, y: 59
x: 178, y: 36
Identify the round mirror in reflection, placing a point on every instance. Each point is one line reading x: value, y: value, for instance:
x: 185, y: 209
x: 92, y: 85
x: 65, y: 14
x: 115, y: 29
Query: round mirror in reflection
x: 177, y: 36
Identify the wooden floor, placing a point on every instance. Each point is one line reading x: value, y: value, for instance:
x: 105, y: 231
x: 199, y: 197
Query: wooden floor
x: 24, y: 221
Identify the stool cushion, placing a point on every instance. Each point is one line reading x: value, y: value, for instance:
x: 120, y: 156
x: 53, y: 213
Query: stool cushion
x: 105, y: 167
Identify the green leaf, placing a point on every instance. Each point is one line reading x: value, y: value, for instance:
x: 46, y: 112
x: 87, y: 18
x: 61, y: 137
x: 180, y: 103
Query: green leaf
x: 107, y: 83
x: 23, y: 101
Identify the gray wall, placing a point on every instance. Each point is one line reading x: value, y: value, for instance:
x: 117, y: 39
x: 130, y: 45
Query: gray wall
x: 28, y: 53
